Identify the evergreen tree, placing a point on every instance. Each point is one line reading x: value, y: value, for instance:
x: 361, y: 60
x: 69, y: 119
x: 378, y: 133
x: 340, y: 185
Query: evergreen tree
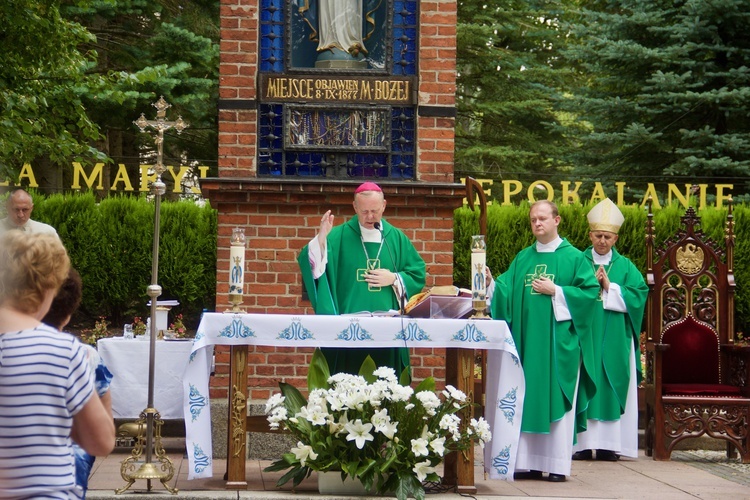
x: 75, y: 74
x: 667, y: 91
x: 507, y: 58
x: 157, y: 48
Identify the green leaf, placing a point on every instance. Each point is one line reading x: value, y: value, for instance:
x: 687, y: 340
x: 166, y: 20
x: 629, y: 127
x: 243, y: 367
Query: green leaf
x: 318, y: 373
x: 297, y: 473
x: 389, y: 461
x: 367, y: 468
x: 427, y: 384
x: 283, y: 463
x: 301, y: 474
x: 402, y: 491
x: 367, y: 370
x: 294, y: 400
x: 409, y: 485
x: 405, y: 378
x: 351, y: 468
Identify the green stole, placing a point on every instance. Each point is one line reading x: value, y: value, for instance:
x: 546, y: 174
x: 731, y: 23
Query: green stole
x: 615, y: 335
x: 342, y: 290
x: 551, y: 351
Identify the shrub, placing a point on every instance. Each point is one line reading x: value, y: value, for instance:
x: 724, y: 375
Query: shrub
x: 110, y: 243
x: 508, y: 232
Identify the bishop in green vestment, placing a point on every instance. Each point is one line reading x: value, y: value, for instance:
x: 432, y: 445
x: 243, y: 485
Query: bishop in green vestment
x: 612, y: 428
x: 365, y: 264
x: 546, y: 297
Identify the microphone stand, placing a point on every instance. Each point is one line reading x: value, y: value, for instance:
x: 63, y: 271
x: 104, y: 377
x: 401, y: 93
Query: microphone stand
x: 402, y: 292
x: 401, y: 296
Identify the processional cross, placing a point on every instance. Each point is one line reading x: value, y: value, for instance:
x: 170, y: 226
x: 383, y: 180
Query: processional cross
x: 150, y: 421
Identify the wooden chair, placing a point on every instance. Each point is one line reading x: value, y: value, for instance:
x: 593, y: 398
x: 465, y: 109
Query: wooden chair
x: 696, y: 374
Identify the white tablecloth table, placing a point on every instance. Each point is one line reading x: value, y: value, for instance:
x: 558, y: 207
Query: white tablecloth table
x: 506, y: 386
x: 128, y: 361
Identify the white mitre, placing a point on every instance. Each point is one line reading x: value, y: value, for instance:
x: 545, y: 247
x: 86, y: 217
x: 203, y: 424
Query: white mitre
x: 605, y: 216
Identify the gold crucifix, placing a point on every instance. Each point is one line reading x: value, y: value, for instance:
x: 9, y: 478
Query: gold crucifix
x: 539, y: 272
x: 161, y: 124
x: 362, y: 272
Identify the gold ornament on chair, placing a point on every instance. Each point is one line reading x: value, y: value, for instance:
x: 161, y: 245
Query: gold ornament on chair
x: 690, y: 259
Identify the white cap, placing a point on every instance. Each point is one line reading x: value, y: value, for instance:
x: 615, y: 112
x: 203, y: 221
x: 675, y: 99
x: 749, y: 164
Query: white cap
x: 605, y: 216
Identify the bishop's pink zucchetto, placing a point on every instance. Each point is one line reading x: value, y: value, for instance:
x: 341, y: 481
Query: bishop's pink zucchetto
x: 368, y: 186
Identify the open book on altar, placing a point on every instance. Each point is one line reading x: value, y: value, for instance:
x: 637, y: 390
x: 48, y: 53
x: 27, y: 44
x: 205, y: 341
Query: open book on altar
x: 449, y: 302
x: 386, y: 314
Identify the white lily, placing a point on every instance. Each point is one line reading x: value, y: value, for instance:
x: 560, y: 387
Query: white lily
x: 302, y: 452
x: 438, y: 446
x: 419, y: 447
x: 359, y: 433
x: 422, y: 470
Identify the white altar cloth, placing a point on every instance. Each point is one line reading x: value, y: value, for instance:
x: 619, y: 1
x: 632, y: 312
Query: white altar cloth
x: 128, y: 359
x: 361, y: 332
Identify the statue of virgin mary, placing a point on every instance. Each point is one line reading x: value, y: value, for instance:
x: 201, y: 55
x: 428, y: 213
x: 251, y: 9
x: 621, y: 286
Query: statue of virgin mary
x: 340, y: 27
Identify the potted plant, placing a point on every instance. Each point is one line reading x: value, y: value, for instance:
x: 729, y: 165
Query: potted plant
x: 100, y: 331
x: 370, y: 428
x: 139, y: 327
x: 178, y: 327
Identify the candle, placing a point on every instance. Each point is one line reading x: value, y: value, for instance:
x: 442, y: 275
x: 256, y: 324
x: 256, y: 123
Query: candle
x: 237, y: 266
x: 478, y: 261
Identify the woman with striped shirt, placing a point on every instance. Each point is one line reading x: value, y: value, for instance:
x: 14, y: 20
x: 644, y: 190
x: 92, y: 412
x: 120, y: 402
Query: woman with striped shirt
x: 47, y: 396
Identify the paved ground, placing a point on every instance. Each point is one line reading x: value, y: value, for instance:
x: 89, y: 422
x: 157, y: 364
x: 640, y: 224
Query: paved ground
x: 691, y: 474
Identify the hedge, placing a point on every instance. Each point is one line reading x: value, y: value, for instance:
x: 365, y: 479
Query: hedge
x: 508, y: 231
x: 110, y: 243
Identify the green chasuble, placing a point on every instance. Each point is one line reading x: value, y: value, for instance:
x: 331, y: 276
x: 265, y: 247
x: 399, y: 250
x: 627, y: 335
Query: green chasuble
x: 342, y: 290
x: 615, y: 335
x: 551, y: 351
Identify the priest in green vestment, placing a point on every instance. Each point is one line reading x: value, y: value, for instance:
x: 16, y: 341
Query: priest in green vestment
x: 365, y: 264
x: 612, y: 414
x: 546, y: 297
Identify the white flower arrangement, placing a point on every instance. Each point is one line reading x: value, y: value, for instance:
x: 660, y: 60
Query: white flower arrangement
x: 389, y: 436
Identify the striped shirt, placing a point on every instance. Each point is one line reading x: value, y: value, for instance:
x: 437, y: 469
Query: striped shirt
x: 45, y: 379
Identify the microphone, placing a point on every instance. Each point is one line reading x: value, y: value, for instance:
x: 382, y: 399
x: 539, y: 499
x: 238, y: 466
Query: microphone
x: 401, y: 297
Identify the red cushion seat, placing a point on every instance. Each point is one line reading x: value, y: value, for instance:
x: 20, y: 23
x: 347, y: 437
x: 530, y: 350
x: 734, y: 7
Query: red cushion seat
x: 693, y: 354
x: 701, y: 390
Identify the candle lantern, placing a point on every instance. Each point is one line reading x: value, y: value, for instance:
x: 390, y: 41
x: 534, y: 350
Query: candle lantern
x: 478, y: 280
x: 236, y: 267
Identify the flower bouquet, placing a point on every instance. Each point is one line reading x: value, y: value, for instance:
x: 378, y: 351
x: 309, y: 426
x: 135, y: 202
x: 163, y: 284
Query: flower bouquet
x: 178, y: 327
x: 139, y: 327
x: 100, y: 331
x: 369, y: 427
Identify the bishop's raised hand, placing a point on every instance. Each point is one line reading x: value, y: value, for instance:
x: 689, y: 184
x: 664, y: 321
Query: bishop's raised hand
x: 326, y: 224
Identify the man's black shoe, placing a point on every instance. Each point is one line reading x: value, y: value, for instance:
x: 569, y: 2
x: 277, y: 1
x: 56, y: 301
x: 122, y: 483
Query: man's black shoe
x: 583, y: 455
x: 531, y: 474
x: 606, y: 455
x: 556, y: 478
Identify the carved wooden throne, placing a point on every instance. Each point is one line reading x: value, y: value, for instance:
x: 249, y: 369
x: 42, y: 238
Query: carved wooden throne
x: 696, y: 376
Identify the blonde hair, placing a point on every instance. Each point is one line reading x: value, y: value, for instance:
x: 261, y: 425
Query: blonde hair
x: 30, y: 266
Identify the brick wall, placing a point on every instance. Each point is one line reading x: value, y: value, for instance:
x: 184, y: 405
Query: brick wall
x: 282, y: 215
x: 279, y: 219
x: 237, y: 72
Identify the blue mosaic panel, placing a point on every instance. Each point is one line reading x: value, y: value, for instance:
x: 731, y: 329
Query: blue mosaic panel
x: 400, y: 54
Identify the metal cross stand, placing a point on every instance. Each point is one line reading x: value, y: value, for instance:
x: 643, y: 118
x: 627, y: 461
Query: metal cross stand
x: 150, y: 421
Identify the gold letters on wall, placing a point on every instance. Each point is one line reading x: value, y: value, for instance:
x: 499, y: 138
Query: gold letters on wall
x: 345, y: 89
